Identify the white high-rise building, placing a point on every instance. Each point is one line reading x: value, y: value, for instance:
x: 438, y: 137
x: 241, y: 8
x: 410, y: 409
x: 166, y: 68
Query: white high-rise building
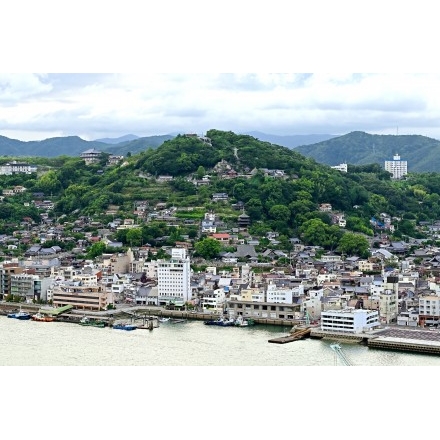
x: 174, y: 278
x: 397, y: 167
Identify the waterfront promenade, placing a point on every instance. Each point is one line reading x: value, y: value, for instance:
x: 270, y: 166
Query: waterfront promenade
x: 134, y: 312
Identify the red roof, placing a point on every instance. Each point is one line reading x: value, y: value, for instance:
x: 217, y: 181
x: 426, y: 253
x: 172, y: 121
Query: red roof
x: 220, y: 236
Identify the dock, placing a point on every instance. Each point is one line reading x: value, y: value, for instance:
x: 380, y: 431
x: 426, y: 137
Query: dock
x: 394, y: 338
x: 407, y: 340
x: 295, y: 335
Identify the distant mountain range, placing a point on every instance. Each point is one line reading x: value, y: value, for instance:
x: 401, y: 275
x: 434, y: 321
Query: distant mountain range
x: 356, y: 148
x: 127, y: 137
x: 291, y: 141
x: 74, y: 146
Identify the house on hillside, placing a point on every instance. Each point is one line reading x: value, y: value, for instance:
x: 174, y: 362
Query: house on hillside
x: 91, y: 156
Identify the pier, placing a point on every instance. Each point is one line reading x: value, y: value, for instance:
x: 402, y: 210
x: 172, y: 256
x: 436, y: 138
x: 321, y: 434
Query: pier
x: 296, y: 335
x: 408, y: 340
x: 411, y: 340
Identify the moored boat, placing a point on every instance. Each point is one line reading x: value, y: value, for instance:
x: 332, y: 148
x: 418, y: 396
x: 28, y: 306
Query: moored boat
x: 221, y: 322
x: 20, y: 315
x: 123, y: 326
x: 85, y: 320
x: 243, y: 322
x: 163, y: 319
x: 42, y: 318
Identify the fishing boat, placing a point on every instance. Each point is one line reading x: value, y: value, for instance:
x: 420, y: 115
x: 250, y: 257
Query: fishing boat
x: 163, y: 319
x: 85, y: 320
x: 123, y: 326
x: 243, y: 322
x: 42, y: 318
x: 221, y: 322
x: 20, y: 315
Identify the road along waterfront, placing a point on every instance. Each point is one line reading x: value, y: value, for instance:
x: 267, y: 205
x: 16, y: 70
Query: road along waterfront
x: 188, y: 343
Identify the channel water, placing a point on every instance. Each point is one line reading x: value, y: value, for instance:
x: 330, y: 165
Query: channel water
x: 189, y: 343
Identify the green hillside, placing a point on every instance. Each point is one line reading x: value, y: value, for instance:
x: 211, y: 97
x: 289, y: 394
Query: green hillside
x: 359, y: 148
x: 278, y: 188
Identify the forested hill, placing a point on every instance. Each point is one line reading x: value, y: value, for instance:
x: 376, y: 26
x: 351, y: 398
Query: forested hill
x: 184, y: 154
x: 358, y: 148
x: 277, y: 187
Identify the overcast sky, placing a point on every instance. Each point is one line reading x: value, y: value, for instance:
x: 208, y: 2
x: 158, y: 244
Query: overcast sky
x: 180, y: 38
x: 38, y: 106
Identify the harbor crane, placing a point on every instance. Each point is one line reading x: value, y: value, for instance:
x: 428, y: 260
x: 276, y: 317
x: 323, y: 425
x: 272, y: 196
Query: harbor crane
x: 339, y: 353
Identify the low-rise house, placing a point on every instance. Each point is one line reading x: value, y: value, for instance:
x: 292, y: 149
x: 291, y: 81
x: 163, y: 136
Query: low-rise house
x: 221, y: 237
x: 220, y: 197
x: 409, y: 318
x: 325, y: 207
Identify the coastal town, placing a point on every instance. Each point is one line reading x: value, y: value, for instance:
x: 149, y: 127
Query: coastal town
x: 398, y: 283
x: 280, y: 283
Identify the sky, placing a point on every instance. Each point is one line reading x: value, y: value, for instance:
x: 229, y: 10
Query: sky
x: 276, y: 68
x: 93, y: 105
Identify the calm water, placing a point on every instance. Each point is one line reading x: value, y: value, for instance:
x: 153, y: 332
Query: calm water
x: 29, y: 343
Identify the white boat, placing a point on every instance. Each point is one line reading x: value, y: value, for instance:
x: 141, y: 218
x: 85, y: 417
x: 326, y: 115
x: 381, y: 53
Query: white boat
x: 163, y: 319
x: 243, y: 322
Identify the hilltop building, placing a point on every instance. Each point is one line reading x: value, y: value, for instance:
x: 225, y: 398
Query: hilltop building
x: 341, y: 167
x: 15, y: 167
x: 397, y: 167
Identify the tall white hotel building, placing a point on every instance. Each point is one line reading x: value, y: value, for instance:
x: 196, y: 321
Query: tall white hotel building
x: 174, y: 278
x: 397, y: 167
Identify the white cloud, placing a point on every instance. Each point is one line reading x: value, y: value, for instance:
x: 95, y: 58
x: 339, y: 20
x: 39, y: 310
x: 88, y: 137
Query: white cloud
x: 97, y: 105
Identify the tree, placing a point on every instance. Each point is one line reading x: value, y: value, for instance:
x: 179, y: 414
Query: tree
x: 314, y: 232
x: 200, y: 172
x: 134, y: 236
x: 96, y: 249
x: 280, y: 212
x: 354, y: 244
x: 207, y: 248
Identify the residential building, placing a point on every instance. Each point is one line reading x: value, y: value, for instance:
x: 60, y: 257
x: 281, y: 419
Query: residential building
x: 30, y: 287
x: 408, y: 318
x: 341, y: 167
x: 117, y: 263
x: 397, y: 167
x: 91, y: 297
x: 213, y: 299
x: 15, y: 167
x: 7, y: 270
x: 429, y: 310
x: 276, y: 293
x: 219, y: 197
